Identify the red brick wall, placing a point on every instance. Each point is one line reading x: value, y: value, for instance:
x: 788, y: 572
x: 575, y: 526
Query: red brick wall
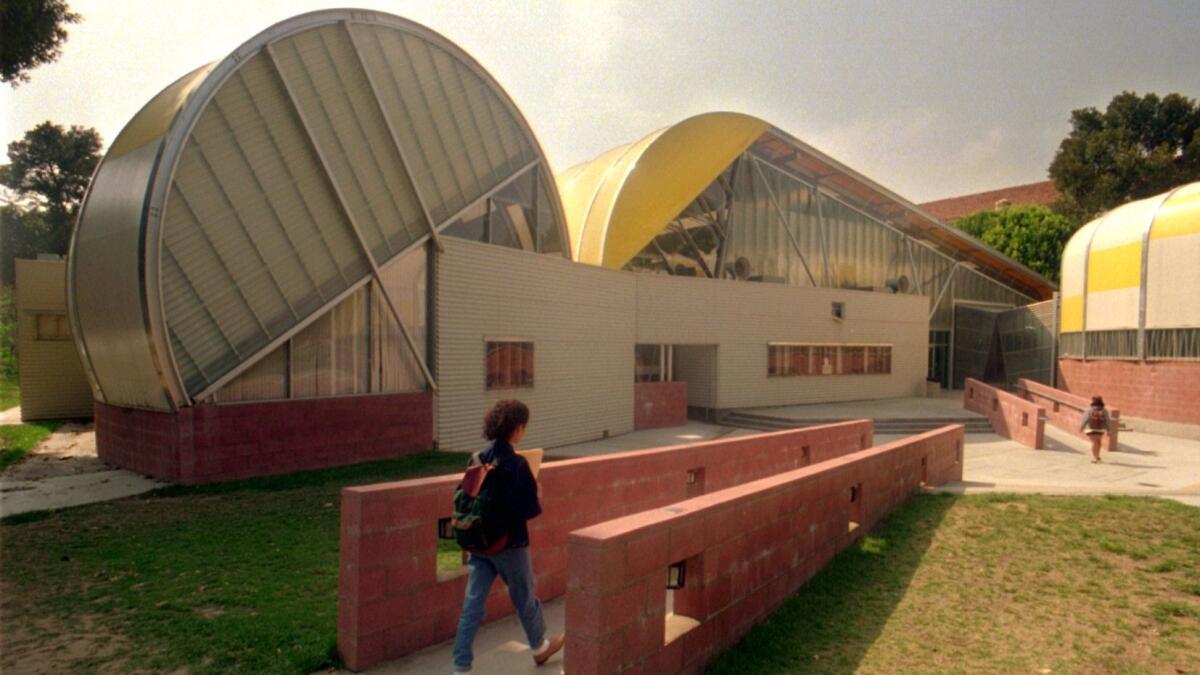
x: 210, y: 443
x: 747, y: 549
x: 391, y: 601
x: 659, y: 404
x: 1011, y: 416
x: 1065, y: 410
x: 1157, y: 390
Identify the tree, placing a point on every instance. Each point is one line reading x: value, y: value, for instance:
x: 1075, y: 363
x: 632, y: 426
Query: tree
x: 48, y: 173
x: 31, y: 33
x: 1136, y: 148
x: 1032, y: 235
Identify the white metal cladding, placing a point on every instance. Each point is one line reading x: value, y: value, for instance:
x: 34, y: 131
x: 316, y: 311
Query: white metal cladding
x: 245, y: 211
x: 742, y: 318
x: 580, y: 319
x: 53, y: 384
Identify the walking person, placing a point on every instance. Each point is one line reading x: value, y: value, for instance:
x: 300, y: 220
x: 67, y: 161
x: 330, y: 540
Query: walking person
x: 512, y: 499
x: 1096, y: 423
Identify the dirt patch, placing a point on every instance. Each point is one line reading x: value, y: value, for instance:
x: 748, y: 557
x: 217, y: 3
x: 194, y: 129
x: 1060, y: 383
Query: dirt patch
x: 47, y: 645
x: 69, y: 451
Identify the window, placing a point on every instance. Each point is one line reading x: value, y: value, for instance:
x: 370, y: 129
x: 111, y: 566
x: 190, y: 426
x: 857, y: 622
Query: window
x: 53, y: 327
x: 879, y: 359
x: 839, y: 310
x: 509, y: 365
x: 854, y: 360
x: 652, y: 363
x: 787, y: 359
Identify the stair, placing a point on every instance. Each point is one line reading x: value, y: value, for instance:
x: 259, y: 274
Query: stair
x: 890, y: 426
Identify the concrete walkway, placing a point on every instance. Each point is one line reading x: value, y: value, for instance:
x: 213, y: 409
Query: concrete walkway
x: 63, y: 471
x: 945, y: 405
x: 692, y: 432
x: 10, y: 416
x: 1147, y: 464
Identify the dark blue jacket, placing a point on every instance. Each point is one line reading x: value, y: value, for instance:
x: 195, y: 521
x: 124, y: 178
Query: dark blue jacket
x: 515, y: 491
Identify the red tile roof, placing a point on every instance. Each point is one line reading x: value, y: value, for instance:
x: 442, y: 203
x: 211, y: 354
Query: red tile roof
x: 953, y: 208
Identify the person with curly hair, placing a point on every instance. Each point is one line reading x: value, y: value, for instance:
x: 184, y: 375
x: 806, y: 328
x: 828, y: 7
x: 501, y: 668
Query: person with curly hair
x: 1096, y: 422
x: 516, y: 494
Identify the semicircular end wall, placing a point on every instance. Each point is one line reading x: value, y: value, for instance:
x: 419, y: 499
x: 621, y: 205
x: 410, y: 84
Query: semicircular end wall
x: 1074, y: 275
x: 325, y: 147
x: 1173, y: 262
x: 1114, y: 264
x: 621, y: 200
x: 105, y: 291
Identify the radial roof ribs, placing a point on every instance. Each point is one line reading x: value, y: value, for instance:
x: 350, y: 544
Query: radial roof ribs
x: 252, y: 195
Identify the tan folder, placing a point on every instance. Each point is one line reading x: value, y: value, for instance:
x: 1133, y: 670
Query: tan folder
x: 534, y: 457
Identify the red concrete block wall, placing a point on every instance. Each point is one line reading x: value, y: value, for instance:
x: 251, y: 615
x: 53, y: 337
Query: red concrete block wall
x: 659, y: 404
x: 1011, y: 416
x: 209, y: 443
x: 1065, y: 410
x: 391, y: 599
x: 746, y: 550
x: 1157, y: 390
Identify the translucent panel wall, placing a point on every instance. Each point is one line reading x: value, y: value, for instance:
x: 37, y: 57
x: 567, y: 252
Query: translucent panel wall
x: 761, y: 222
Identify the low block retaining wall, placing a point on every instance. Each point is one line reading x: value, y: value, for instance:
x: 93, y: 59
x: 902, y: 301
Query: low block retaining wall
x: 1011, y: 416
x: 659, y: 404
x: 746, y: 550
x: 391, y: 599
x: 1156, y: 390
x: 1065, y: 410
x: 209, y: 443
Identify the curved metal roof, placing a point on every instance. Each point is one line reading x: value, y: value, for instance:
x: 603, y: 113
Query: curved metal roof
x: 1137, y: 266
x: 250, y: 196
x: 616, y: 203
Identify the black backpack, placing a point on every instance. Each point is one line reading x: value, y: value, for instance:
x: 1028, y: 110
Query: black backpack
x: 474, y: 521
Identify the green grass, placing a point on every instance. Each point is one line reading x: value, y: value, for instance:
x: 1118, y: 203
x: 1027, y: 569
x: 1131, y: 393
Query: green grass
x: 10, y: 392
x: 16, y: 440
x: 997, y: 583
x: 233, y: 578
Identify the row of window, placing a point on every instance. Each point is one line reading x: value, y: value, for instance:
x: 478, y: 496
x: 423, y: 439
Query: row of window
x: 790, y: 360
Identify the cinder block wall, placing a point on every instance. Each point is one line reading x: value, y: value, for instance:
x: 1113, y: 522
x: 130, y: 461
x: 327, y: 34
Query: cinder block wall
x: 391, y: 599
x: 1157, y: 390
x: 1011, y: 416
x: 746, y: 550
x: 210, y: 443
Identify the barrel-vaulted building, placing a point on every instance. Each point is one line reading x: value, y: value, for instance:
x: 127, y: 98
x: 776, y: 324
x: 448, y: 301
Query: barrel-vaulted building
x: 1130, y: 320
x: 343, y: 242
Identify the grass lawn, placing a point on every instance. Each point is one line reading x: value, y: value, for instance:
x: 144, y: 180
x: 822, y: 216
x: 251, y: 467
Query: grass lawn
x: 18, y: 439
x: 237, y: 577
x: 997, y: 583
x: 242, y: 577
x: 10, y: 393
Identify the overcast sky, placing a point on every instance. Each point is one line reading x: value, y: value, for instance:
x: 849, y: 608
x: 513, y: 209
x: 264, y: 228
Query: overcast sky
x: 931, y: 99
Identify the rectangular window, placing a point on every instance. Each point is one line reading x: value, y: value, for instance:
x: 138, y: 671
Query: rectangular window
x: 879, y: 359
x: 53, y: 327
x: 854, y: 361
x: 786, y: 359
x: 509, y: 365
x: 652, y: 363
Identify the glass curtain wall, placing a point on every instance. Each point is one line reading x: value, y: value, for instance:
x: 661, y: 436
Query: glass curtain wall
x: 357, y: 348
x: 518, y: 215
x: 759, y: 221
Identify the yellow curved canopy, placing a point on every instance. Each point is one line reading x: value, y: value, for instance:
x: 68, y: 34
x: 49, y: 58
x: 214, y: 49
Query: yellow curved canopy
x: 617, y: 203
x: 1141, y: 259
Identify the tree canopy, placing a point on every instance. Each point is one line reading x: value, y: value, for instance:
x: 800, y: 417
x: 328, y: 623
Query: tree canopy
x: 32, y: 33
x: 48, y: 172
x: 1031, y: 235
x: 1138, y: 147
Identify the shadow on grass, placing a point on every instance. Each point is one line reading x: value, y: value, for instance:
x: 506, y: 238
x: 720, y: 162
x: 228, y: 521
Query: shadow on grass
x: 831, y: 623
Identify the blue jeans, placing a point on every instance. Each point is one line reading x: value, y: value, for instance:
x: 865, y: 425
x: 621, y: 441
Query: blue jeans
x: 513, y: 566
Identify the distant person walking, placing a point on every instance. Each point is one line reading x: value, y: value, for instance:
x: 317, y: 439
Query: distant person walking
x: 1096, y: 423
x: 511, y: 499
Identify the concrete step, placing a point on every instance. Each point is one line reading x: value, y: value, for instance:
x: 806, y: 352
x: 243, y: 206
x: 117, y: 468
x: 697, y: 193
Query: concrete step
x: 760, y: 422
